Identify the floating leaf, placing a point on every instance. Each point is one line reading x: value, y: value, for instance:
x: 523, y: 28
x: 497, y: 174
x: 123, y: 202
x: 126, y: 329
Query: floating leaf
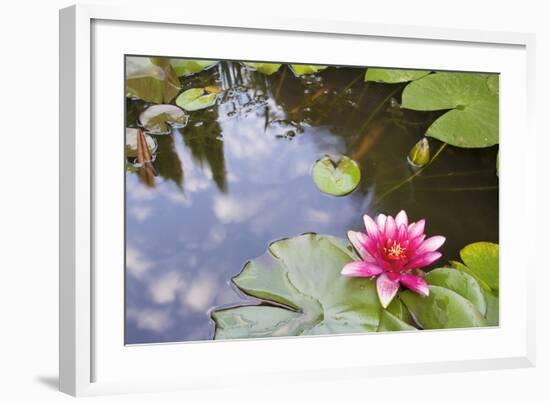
x: 302, y: 275
x: 493, y: 83
x: 389, y: 322
x: 300, y: 69
x: 492, y: 314
x: 132, y: 142
x: 183, y: 67
x: 481, y: 258
x: 153, y: 82
x: 264, y: 68
x: 399, y: 310
x: 336, y: 178
x: 461, y: 283
x: 466, y: 296
x: 393, y: 76
x: 196, y: 99
x: 157, y: 119
x: 442, y: 309
x: 463, y: 268
x: 472, y: 121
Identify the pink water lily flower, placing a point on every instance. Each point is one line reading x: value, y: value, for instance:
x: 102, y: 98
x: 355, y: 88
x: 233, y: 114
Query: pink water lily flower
x: 391, y: 249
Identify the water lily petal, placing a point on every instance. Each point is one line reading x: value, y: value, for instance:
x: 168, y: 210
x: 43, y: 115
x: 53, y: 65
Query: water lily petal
x: 361, y: 269
x: 402, y: 233
x: 358, y: 240
x: 417, y: 228
x: 371, y: 245
x: 415, y: 283
x: 393, y: 276
x: 402, y: 219
x: 424, y: 259
x: 390, y: 228
x: 386, y: 289
x: 370, y: 225
x: 415, y: 243
x: 431, y: 244
x: 381, y: 221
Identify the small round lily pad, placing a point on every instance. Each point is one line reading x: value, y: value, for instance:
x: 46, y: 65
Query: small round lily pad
x: 157, y: 119
x: 131, y: 142
x: 196, y: 99
x: 336, y: 178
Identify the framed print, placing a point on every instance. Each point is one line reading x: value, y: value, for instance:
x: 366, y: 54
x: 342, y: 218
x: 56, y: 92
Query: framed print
x: 232, y: 193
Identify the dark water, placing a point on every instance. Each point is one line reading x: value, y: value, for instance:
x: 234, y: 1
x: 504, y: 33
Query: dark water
x: 238, y: 177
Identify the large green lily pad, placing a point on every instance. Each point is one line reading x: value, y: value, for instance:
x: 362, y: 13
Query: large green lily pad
x: 300, y: 280
x: 336, y: 178
x: 393, y: 76
x: 264, y: 68
x: 196, y: 99
x: 151, y: 81
x: 472, y: 101
x: 443, y: 309
x: 464, y: 295
x: 184, y: 67
x: 481, y: 260
x: 158, y: 119
x: 300, y: 69
x: 461, y: 283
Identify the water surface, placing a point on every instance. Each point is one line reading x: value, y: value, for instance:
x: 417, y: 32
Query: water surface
x: 237, y: 177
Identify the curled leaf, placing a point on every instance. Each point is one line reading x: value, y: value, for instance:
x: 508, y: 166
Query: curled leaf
x: 157, y: 119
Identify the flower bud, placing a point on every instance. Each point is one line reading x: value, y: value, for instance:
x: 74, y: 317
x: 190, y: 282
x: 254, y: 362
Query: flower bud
x: 419, y: 155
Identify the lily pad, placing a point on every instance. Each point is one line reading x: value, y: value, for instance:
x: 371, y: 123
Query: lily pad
x: 183, y: 67
x: 264, y: 68
x: 393, y: 76
x: 481, y: 259
x: 472, y: 121
x: 493, y: 83
x: 131, y: 142
x: 300, y: 277
x: 442, y: 309
x: 461, y: 283
x: 493, y: 308
x: 196, y: 99
x: 157, y: 119
x: 153, y: 82
x: 300, y: 69
x: 336, y: 178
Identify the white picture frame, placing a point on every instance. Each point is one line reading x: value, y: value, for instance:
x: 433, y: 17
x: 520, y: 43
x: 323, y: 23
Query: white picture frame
x: 93, y: 360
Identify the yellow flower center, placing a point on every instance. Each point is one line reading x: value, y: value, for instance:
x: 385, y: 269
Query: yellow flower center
x: 395, y: 251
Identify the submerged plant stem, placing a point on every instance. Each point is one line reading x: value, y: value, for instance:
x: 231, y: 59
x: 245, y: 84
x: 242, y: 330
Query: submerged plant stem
x: 460, y: 189
x: 281, y: 80
x: 377, y: 109
x: 456, y: 174
x: 412, y: 177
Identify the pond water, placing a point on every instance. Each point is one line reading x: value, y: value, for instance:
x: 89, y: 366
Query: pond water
x: 238, y: 177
